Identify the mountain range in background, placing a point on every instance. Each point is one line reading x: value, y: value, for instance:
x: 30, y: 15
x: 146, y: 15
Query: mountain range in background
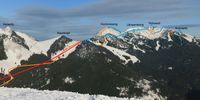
x: 146, y: 63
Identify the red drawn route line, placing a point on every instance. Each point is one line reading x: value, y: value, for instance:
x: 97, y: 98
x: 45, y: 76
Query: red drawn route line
x: 42, y: 63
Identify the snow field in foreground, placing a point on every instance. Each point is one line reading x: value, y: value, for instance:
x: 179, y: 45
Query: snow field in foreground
x: 32, y: 94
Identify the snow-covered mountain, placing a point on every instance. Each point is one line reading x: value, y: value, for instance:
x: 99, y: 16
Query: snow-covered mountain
x: 18, y: 46
x: 106, y: 30
x: 157, y: 63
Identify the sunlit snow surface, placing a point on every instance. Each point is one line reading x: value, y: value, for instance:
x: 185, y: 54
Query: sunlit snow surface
x: 15, y: 52
x: 32, y: 94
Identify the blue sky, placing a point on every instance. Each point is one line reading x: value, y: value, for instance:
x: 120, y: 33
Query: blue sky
x: 10, y: 6
x: 43, y: 18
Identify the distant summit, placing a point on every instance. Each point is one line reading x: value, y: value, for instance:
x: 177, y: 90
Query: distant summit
x: 107, y: 30
x: 6, y: 31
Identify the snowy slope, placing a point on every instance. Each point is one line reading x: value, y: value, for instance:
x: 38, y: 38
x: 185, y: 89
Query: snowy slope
x: 121, y: 54
x: 38, y: 46
x: 32, y: 94
x: 30, y: 41
x: 188, y: 37
x: 43, y: 46
x: 16, y: 52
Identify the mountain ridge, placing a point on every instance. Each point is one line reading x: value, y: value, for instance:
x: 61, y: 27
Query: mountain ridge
x: 134, y: 63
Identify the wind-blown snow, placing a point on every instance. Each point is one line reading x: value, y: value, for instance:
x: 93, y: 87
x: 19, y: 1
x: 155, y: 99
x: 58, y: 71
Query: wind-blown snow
x: 32, y: 94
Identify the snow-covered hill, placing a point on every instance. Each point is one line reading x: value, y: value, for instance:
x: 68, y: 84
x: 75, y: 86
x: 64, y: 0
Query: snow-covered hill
x: 19, y: 46
x: 32, y: 94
